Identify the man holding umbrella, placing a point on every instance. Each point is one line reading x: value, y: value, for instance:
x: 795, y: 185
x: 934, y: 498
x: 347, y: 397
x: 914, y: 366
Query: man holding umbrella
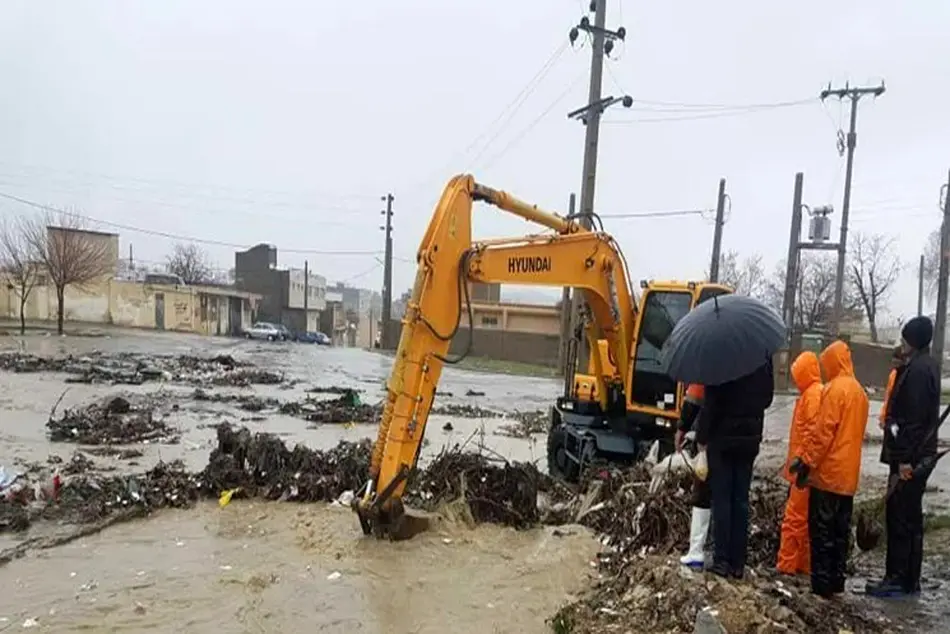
x: 727, y: 345
x: 911, y: 421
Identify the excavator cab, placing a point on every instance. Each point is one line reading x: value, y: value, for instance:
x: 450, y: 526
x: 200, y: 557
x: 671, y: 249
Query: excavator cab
x: 582, y: 431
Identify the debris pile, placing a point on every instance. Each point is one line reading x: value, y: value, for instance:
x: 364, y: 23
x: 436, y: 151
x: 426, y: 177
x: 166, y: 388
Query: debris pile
x: 111, y: 421
x: 659, y: 595
x: 644, y: 527
x: 464, y: 411
x: 246, y: 402
x: 499, y: 493
x: 261, y: 465
x: 129, y: 368
x: 526, y: 424
x: 346, y: 408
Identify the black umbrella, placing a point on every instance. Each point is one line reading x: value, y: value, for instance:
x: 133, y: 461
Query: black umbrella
x: 722, y: 340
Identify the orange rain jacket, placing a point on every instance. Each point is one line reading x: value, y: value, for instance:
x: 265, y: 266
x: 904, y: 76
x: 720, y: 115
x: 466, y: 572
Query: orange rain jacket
x: 887, y: 394
x: 833, y: 445
x: 794, y: 555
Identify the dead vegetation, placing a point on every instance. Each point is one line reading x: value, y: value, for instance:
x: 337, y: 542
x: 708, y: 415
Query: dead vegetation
x: 112, y: 421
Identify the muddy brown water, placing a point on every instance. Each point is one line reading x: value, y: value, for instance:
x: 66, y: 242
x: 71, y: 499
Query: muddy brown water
x: 265, y: 567
x: 289, y: 568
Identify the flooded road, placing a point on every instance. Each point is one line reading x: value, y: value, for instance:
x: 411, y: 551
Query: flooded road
x: 289, y: 568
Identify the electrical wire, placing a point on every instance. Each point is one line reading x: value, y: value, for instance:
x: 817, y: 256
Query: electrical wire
x: 706, y: 115
x: 511, y: 109
x: 524, y: 132
x: 171, y: 236
x: 659, y: 214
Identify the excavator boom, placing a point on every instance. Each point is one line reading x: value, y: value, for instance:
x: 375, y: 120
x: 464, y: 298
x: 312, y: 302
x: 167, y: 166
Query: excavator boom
x: 448, y: 260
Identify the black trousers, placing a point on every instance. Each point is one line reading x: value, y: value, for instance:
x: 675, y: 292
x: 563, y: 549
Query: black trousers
x: 730, y: 476
x: 701, y: 495
x: 905, y: 533
x: 829, y: 525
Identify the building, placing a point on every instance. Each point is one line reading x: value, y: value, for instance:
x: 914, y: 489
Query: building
x: 289, y: 297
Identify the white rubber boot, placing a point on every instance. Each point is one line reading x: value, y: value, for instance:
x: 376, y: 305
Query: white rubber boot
x: 698, y: 530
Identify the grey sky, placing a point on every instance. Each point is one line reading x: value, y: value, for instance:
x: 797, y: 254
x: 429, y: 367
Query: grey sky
x: 246, y: 121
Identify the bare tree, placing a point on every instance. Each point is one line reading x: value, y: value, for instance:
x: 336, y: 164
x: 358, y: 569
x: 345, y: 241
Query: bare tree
x: 190, y: 263
x: 18, y: 263
x: 814, y: 291
x: 932, y: 263
x: 71, y: 256
x: 873, y: 268
x: 746, y: 276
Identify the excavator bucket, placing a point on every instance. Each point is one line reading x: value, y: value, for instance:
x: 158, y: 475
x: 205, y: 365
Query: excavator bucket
x: 397, y: 523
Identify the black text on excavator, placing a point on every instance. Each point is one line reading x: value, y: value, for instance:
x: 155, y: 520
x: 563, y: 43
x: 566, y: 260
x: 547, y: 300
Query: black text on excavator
x: 623, y: 402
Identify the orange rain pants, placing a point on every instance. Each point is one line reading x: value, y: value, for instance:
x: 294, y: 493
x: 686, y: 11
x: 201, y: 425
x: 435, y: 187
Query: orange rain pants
x: 794, y: 555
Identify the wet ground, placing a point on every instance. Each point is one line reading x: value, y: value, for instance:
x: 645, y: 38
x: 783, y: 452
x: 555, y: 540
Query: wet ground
x: 272, y: 567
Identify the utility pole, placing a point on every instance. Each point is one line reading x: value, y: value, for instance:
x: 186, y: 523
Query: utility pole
x: 920, y: 287
x: 602, y: 41
x: 387, y: 271
x: 717, y: 232
x: 940, y: 327
x: 791, y: 266
x: 306, y: 296
x: 854, y: 94
x: 566, y: 306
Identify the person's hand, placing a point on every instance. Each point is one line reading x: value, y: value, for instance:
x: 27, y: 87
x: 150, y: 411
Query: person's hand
x: 678, y: 439
x: 906, y: 471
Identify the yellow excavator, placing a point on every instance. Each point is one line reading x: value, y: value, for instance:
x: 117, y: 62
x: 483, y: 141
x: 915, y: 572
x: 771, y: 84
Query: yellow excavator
x: 616, y: 410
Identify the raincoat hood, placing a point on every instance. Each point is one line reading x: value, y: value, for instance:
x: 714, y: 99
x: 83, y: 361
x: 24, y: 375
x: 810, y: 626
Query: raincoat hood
x: 836, y: 361
x: 806, y: 371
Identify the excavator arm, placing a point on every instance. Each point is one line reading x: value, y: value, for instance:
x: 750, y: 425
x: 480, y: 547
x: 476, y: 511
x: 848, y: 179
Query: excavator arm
x: 439, y: 305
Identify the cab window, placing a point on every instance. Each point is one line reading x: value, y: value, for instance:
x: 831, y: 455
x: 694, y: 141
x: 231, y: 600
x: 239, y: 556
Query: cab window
x: 709, y: 292
x: 662, y: 310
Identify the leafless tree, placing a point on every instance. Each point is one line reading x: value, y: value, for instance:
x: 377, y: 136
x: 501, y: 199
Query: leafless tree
x: 746, y: 275
x: 814, y: 292
x: 17, y: 262
x: 873, y: 268
x: 71, y: 256
x: 190, y: 263
x: 932, y: 263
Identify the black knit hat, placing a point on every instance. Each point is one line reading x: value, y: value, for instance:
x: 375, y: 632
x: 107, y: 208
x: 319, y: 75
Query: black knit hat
x: 918, y: 332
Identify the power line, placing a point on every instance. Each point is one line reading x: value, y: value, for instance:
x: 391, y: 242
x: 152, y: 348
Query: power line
x: 660, y: 214
x: 178, y: 184
x: 517, y: 139
x: 709, y: 115
x: 513, y: 106
x: 171, y: 236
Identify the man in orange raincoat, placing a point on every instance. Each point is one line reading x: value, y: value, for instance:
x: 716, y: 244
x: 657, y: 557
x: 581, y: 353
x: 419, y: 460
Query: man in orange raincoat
x: 831, y: 464
x: 794, y: 556
x: 701, y: 497
x: 897, y: 360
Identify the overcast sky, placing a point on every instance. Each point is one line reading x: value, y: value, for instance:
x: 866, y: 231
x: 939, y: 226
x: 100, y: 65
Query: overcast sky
x: 284, y: 122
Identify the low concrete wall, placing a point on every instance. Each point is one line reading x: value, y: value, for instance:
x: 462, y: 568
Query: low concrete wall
x: 504, y: 345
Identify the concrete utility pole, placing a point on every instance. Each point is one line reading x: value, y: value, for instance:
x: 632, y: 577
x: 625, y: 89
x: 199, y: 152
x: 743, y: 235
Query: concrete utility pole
x: 306, y: 295
x: 854, y: 94
x: 565, y: 327
x: 717, y: 232
x: 602, y: 43
x: 940, y: 327
x: 387, y: 271
x: 791, y: 266
x: 920, y: 287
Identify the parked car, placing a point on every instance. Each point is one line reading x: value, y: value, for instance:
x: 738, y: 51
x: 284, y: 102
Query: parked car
x: 318, y: 338
x: 263, y: 330
x: 285, y: 334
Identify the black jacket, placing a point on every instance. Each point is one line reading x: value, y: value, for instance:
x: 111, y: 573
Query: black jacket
x: 733, y: 413
x: 914, y: 407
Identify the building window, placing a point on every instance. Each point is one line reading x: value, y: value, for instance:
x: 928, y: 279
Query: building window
x: 491, y: 322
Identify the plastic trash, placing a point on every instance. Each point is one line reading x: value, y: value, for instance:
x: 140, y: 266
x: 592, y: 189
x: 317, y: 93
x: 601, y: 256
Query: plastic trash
x: 226, y: 496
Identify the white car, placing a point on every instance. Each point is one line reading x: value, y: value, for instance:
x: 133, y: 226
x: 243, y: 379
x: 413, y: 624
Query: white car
x: 264, y: 330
